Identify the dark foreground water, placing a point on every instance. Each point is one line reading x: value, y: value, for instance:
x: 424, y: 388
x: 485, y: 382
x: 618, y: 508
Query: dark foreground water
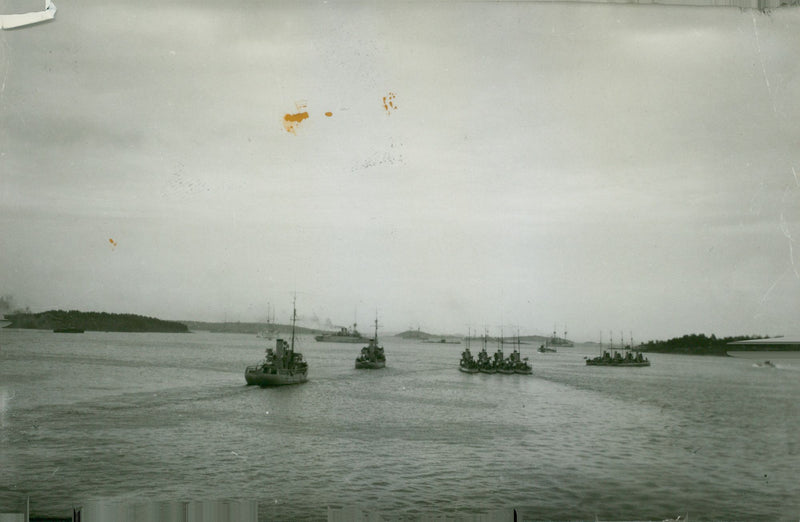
x: 115, y: 417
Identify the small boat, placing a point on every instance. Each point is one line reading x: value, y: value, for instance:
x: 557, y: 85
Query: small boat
x: 68, y: 330
x: 441, y: 341
x: 765, y: 364
x: 501, y: 363
x: 467, y: 363
x: 523, y: 367
x: 546, y: 349
x: 281, y: 366
x: 342, y: 336
x: 520, y: 365
x: 468, y: 369
x: 372, y: 356
x: 484, y: 362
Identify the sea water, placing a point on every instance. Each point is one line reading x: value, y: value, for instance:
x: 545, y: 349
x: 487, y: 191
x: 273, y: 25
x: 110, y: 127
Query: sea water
x: 133, y: 417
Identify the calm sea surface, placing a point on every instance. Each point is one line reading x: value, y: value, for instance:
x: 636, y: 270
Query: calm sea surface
x: 168, y: 417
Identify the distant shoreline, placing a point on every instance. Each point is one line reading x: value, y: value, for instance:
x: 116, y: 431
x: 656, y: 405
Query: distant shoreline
x: 695, y: 344
x: 92, y: 321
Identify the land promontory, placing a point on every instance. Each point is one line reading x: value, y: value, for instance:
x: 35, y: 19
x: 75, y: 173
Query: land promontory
x: 96, y: 321
x: 694, y: 344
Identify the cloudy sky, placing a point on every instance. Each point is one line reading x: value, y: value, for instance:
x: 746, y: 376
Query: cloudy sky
x: 603, y: 167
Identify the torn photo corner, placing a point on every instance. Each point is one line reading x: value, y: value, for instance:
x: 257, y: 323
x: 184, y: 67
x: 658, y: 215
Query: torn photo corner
x: 13, y: 21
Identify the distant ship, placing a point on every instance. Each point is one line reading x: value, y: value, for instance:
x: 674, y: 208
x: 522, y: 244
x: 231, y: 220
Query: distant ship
x: 342, y: 336
x: 612, y: 357
x: 372, y: 356
x: 441, y: 341
x: 555, y: 340
x: 68, y: 330
x: 628, y: 360
x: 546, y: 349
x: 272, y: 329
x: 280, y: 367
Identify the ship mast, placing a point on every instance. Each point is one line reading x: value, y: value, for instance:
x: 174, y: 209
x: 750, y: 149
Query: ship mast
x: 294, y: 318
x: 502, y: 339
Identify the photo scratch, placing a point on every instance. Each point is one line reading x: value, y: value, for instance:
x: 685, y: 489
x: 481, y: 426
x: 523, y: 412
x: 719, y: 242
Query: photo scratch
x: 788, y: 235
x: 763, y: 65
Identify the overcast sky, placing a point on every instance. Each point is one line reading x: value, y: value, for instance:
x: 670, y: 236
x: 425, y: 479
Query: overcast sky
x: 604, y: 167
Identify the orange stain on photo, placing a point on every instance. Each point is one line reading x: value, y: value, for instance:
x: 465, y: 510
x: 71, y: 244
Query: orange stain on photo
x: 328, y: 114
x: 292, y: 121
x: 388, y: 103
x: 113, y: 243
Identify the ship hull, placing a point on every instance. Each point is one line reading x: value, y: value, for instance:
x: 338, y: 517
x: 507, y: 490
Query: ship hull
x: 260, y: 378
x: 335, y: 339
x: 370, y: 365
x: 468, y: 370
x: 619, y: 365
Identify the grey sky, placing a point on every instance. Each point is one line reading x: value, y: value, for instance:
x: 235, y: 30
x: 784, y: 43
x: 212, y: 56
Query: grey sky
x: 611, y: 167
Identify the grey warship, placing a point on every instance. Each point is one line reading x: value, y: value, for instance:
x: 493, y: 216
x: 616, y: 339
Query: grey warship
x: 280, y: 366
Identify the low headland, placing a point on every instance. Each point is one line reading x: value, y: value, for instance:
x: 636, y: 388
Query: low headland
x: 92, y: 321
x: 695, y: 344
x: 247, y: 328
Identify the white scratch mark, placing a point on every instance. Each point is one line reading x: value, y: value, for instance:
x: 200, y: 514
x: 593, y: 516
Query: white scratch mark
x: 769, y: 290
x: 788, y: 235
x: 7, y: 66
x: 796, y: 181
x: 763, y: 67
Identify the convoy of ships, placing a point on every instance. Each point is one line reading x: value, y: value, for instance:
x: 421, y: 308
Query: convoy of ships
x: 283, y: 365
x: 498, y: 363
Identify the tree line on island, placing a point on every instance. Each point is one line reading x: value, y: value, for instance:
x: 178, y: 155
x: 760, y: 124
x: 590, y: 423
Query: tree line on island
x: 695, y: 344
x: 93, y: 321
